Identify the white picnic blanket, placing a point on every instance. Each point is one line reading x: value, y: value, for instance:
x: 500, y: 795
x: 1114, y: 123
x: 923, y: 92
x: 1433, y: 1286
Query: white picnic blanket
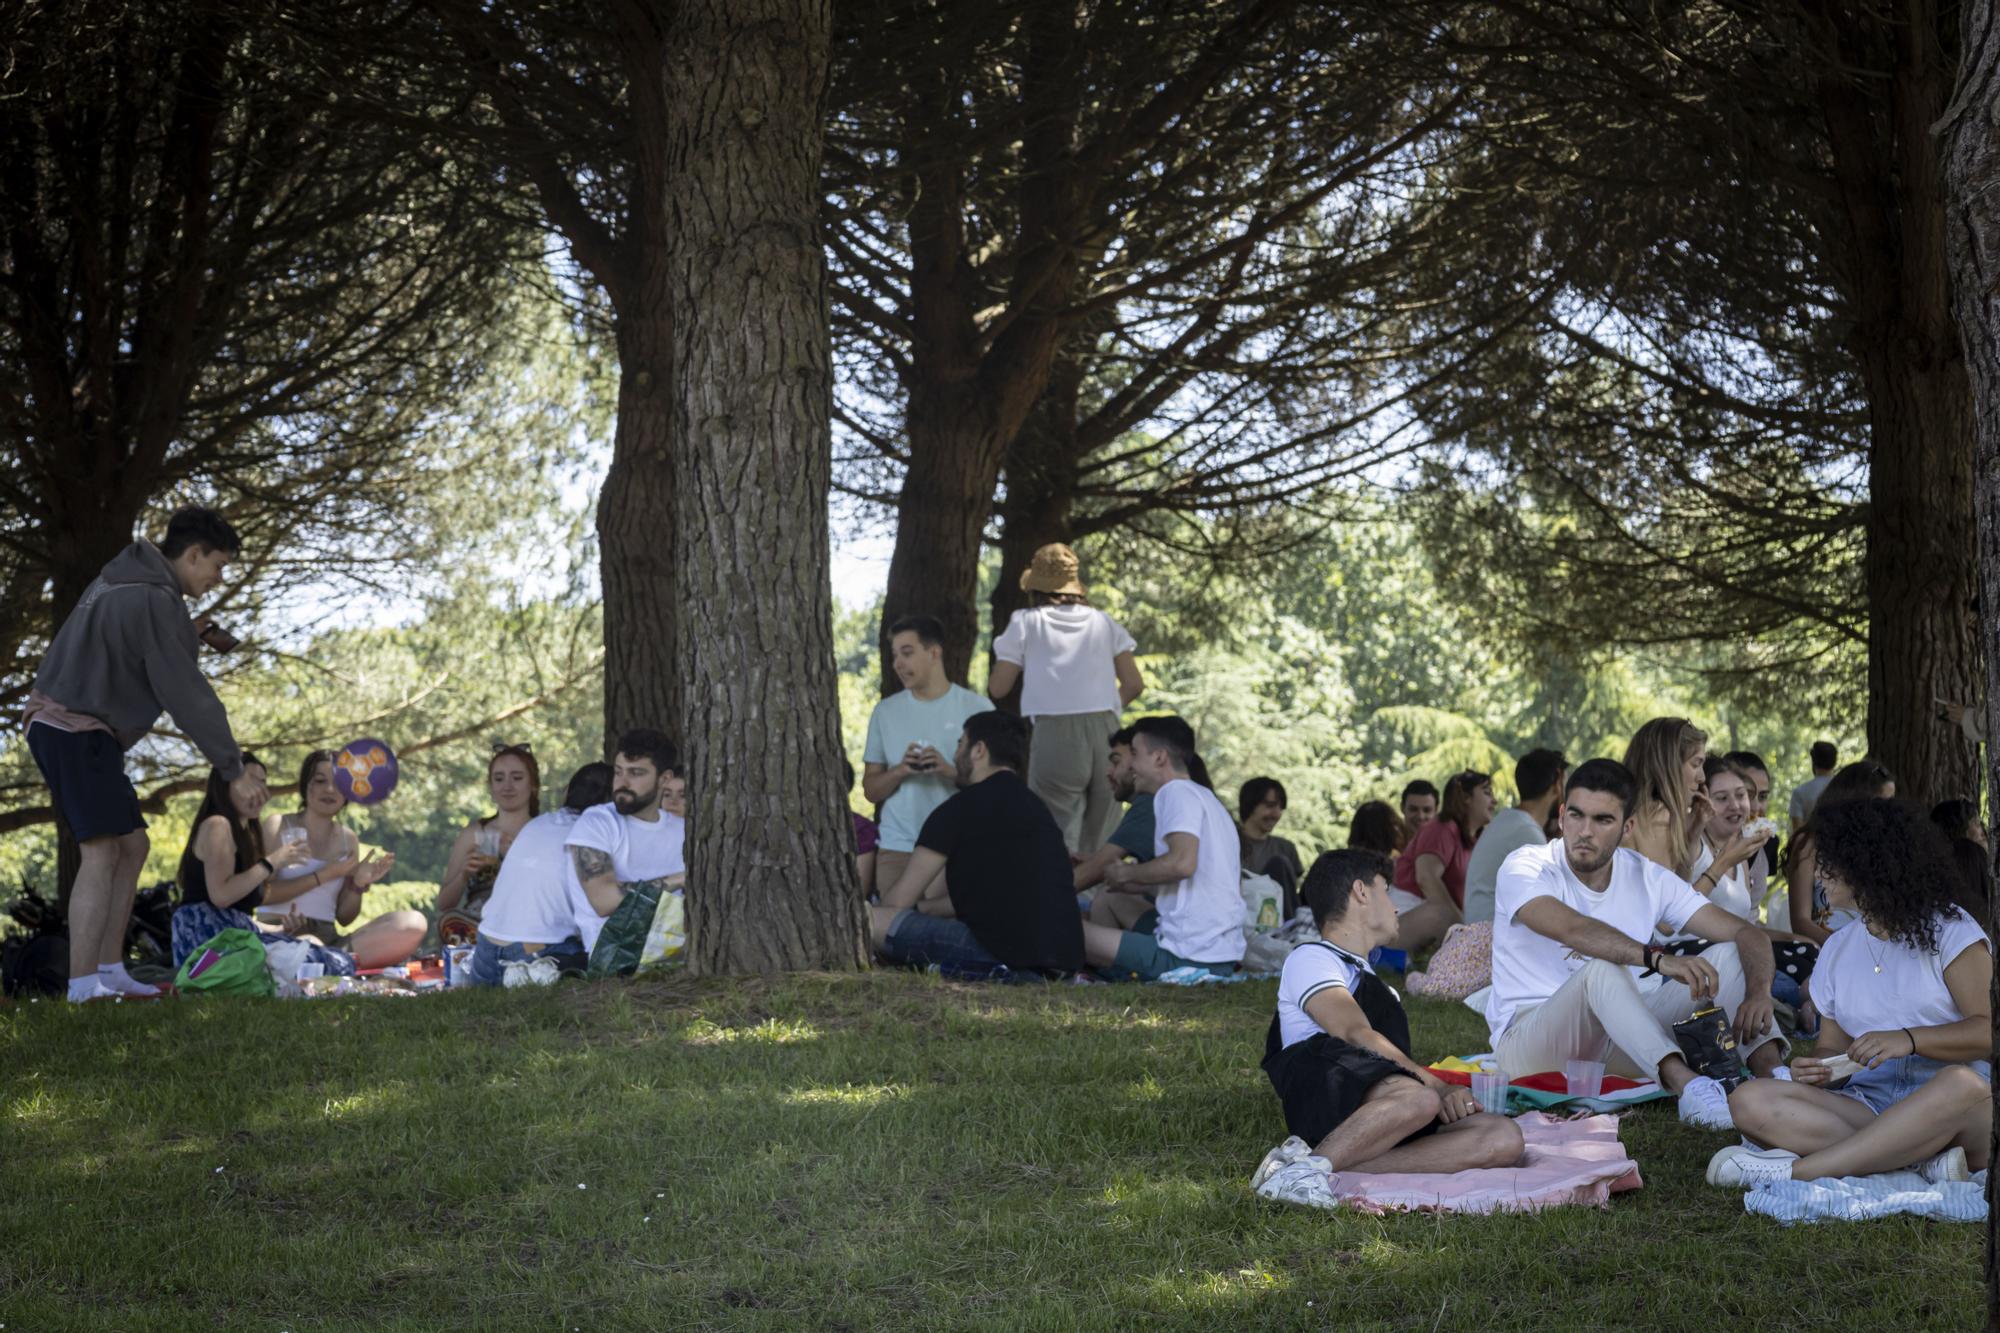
x: 1858, y: 1198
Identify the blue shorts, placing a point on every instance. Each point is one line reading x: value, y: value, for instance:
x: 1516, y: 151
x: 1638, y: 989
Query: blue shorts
x: 1882, y: 1087
x: 85, y: 771
x: 942, y: 942
x: 489, y: 957
x: 1140, y: 955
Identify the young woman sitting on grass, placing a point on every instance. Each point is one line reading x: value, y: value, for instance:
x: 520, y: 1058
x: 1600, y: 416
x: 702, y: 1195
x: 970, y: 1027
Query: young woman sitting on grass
x: 226, y: 873
x: 1902, y: 994
x: 334, y: 876
x: 514, y: 781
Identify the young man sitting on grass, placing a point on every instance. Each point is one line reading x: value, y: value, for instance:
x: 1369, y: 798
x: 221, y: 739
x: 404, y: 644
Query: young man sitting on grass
x: 1198, y: 920
x: 1338, y: 1055
x: 1005, y: 866
x: 1577, y: 977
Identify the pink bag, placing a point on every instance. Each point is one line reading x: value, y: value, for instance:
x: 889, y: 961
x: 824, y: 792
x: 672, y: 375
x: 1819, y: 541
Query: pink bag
x: 1462, y: 964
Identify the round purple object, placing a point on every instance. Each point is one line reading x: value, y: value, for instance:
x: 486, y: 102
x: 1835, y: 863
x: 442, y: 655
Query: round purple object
x: 365, y: 770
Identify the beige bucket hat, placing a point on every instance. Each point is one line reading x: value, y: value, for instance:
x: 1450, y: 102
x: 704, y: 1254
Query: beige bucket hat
x: 1054, y: 570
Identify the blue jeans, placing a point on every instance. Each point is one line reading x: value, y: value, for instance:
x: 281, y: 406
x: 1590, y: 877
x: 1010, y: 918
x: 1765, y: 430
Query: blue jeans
x: 1882, y: 1087
x: 942, y: 942
x: 490, y: 957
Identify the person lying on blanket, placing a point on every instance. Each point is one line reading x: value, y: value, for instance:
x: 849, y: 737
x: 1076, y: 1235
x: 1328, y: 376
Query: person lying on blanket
x: 1903, y: 995
x: 1576, y: 978
x: 1338, y: 1054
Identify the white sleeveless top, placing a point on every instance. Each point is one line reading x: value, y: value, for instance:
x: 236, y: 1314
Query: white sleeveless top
x: 319, y: 903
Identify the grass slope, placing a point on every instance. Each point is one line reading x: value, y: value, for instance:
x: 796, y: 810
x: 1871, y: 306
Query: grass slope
x: 864, y: 1152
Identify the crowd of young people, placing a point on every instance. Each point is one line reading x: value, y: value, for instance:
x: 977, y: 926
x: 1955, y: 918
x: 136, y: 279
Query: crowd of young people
x: 1620, y: 905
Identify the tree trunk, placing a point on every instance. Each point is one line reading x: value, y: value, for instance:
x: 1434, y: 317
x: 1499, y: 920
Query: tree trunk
x: 940, y: 524
x: 635, y: 520
x: 1923, y: 640
x: 1971, y: 161
x: 1041, y: 477
x: 771, y: 874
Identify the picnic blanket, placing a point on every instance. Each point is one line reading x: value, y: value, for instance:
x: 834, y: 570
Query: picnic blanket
x: 1573, y: 1161
x: 1548, y: 1090
x: 1858, y: 1198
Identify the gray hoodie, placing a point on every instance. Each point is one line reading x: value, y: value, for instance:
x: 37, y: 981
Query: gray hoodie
x: 127, y: 654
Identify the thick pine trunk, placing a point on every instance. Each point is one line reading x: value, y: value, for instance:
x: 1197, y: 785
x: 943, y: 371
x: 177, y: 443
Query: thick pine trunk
x: 1971, y: 158
x: 771, y: 875
x: 635, y: 520
x: 940, y: 524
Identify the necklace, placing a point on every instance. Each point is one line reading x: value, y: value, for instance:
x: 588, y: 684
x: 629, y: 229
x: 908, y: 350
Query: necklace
x: 1873, y: 952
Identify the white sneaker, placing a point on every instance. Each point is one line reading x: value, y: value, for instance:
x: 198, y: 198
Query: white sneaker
x: 538, y: 971
x: 1944, y: 1167
x: 1291, y: 1150
x: 1704, y: 1104
x: 1745, y: 1168
x: 1307, y: 1182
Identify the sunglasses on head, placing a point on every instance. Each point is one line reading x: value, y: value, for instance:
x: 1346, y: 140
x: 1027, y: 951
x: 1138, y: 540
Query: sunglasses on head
x: 507, y: 747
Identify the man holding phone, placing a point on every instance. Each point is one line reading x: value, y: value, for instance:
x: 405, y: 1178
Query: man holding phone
x: 904, y: 770
x: 125, y: 655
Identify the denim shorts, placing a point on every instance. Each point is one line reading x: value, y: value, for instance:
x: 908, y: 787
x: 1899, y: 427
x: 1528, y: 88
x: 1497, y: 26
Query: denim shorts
x: 1882, y: 1087
x: 942, y: 942
x: 489, y: 957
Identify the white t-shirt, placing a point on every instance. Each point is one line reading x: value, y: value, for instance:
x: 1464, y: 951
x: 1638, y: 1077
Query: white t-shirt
x: 530, y: 902
x: 1510, y: 831
x: 903, y: 720
x: 1201, y: 917
x: 1310, y: 969
x: 1804, y: 797
x: 1066, y: 658
x: 640, y: 850
x: 1909, y: 991
x: 1731, y: 892
x: 1529, y: 967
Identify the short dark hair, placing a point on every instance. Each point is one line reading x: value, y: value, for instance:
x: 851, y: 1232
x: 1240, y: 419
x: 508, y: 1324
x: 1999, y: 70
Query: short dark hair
x: 1330, y: 882
x: 1716, y: 765
x: 1607, y: 776
x: 1122, y: 736
x: 588, y: 786
x: 1749, y: 759
x: 1005, y: 736
x: 1252, y: 794
x: 1419, y: 787
x: 1169, y: 733
x: 928, y: 629
x: 1537, y: 772
x: 646, y: 743
x: 1824, y: 755
x: 1954, y: 817
x: 195, y: 526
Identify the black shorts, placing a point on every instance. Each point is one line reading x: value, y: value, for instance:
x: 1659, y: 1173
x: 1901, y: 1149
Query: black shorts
x: 85, y: 771
x: 1323, y: 1080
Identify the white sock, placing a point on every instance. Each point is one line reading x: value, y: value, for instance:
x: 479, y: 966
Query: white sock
x: 113, y: 976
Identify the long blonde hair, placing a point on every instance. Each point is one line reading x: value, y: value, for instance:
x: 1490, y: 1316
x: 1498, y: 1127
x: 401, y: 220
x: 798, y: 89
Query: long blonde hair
x: 1657, y: 756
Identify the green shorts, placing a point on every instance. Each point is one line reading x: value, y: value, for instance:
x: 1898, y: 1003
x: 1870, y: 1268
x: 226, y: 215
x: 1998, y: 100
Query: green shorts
x: 1141, y: 956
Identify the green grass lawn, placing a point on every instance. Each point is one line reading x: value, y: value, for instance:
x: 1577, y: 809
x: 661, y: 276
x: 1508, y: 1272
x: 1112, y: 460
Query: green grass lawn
x: 862, y: 1152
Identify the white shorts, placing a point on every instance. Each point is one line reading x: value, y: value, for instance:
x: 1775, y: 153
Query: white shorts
x: 1405, y: 902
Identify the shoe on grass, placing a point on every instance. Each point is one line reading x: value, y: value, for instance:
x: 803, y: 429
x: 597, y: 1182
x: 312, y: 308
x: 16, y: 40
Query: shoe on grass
x: 1736, y: 1167
x: 1291, y: 1150
x: 1945, y: 1167
x: 1705, y: 1105
x: 1307, y: 1182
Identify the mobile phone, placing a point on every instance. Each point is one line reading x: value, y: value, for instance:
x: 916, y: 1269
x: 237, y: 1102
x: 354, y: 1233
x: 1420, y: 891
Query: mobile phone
x: 218, y: 638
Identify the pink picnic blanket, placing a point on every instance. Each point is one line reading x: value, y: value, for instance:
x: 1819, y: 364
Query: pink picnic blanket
x: 1576, y: 1161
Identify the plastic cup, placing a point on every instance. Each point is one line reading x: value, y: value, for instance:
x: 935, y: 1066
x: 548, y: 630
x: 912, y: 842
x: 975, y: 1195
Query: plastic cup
x: 487, y: 841
x: 1585, y: 1077
x: 1490, y: 1091
x: 310, y: 971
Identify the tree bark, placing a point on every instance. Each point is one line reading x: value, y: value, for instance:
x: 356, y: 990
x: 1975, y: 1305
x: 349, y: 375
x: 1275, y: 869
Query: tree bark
x: 1970, y: 155
x: 635, y: 519
x: 772, y: 884
x: 1923, y: 640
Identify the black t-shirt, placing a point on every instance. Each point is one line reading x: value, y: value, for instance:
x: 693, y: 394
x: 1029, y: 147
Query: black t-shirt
x: 1009, y: 874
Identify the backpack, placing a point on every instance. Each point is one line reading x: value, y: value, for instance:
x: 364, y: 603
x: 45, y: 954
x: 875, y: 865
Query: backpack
x: 32, y: 965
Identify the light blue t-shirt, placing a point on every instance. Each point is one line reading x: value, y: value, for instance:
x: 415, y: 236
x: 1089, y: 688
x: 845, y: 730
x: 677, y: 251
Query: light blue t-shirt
x: 903, y: 720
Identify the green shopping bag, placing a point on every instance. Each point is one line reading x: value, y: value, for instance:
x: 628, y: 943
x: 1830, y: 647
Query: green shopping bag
x: 647, y: 928
x: 231, y: 963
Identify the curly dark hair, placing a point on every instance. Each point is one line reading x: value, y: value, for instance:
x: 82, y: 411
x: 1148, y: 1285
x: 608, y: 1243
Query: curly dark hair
x: 1898, y: 864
